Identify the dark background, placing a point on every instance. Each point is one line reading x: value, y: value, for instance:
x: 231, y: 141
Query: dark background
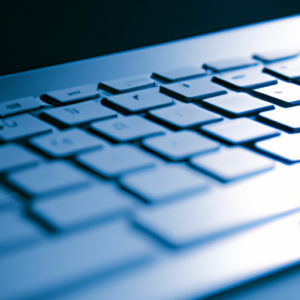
x: 39, y: 33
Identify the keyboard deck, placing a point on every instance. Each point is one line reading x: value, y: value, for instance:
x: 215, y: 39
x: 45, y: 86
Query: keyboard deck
x: 138, y: 178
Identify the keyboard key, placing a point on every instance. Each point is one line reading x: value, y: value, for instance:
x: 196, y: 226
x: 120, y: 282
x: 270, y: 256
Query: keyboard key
x: 8, y: 198
x: 16, y: 230
x: 73, y: 94
x: 185, y: 115
x: 233, y: 163
x: 230, y: 64
x: 47, y: 178
x: 15, y: 156
x: 277, y: 55
x: 240, y: 130
x: 67, y: 259
x: 127, y: 128
x: 251, y: 78
x: 283, y: 93
x: 67, y: 142
x: 183, y: 73
x: 22, y: 126
x: 285, y: 118
x: 90, y: 204
x: 163, y: 183
x: 125, y: 85
x: 180, y: 145
x: 21, y: 105
x: 193, y: 90
x: 285, y: 147
x: 114, y: 161
x: 289, y: 71
x: 137, y: 102
x: 79, y: 113
x: 235, y: 105
x: 203, y: 271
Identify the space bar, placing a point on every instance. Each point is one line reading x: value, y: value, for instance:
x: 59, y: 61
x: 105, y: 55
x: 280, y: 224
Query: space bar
x: 63, y: 260
x: 206, y: 270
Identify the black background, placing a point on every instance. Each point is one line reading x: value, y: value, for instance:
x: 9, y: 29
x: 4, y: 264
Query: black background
x: 40, y: 33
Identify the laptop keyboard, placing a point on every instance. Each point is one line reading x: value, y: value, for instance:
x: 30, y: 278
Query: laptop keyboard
x: 109, y: 175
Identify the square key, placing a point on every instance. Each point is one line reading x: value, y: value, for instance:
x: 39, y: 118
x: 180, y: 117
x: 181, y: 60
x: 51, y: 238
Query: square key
x: 180, y: 145
x: 284, y: 93
x: 125, y: 85
x: 288, y: 70
x: 232, y: 163
x: 67, y: 142
x: 22, y: 126
x: 78, y: 113
x: 240, y: 130
x: 47, y: 178
x: 285, y: 147
x: 250, y: 78
x: 138, y: 102
x: 235, y: 105
x: 185, y: 115
x: 15, y: 156
x: 178, y: 74
x: 127, y: 128
x: 116, y: 160
x: 230, y: 64
x: 73, y: 94
x: 286, y: 118
x: 193, y: 89
x: 163, y: 183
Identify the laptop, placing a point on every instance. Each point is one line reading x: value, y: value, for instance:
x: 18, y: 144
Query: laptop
x: 149, y: 151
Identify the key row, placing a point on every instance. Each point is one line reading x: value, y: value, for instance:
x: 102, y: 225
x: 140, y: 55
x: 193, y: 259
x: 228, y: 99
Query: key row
x: 288, y: 71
